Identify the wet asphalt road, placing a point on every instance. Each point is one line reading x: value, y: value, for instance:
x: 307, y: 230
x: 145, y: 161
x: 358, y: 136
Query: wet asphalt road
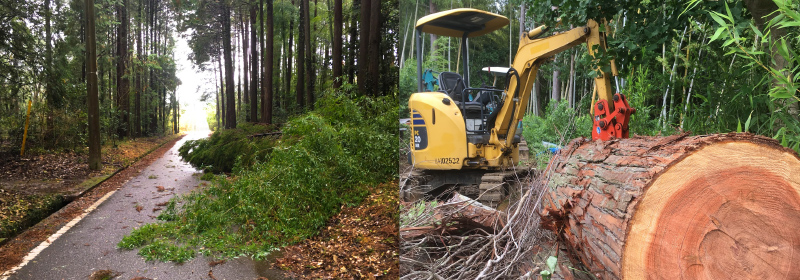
x: 91, y: 244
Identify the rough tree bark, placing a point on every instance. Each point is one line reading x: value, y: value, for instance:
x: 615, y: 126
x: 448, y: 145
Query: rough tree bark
x: 722, y: 206
x: 91, y: 88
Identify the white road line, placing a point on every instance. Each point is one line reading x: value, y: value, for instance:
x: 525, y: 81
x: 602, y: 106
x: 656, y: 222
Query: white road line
x: 35, y: 252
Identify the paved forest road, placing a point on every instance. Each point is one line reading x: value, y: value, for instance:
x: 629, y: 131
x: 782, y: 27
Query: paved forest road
x: 91, y: 244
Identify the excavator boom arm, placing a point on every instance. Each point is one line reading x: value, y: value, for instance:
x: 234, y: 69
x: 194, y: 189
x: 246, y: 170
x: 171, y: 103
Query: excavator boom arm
x: 533, y: 52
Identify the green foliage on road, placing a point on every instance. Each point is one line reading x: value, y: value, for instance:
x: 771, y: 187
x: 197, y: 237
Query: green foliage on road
x: 228, y: 148
x: 324, y: 160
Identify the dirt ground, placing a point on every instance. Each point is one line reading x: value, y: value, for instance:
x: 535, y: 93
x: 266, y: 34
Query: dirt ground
x: 360, y: 242
x: 17, y: 247
x: 58, y: 172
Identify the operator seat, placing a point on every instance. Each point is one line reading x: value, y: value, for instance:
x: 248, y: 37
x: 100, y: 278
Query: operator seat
x: 453, y: 85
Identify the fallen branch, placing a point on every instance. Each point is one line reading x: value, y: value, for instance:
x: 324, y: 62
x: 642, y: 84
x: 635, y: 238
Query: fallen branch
x: 265, y: 134
x: 467, y: 240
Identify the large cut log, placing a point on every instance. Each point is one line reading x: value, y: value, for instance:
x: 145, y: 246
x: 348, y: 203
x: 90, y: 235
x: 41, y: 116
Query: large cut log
x: 724, y: 206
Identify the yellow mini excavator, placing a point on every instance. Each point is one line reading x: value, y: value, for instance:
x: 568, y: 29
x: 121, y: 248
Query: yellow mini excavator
x: 468, y: 138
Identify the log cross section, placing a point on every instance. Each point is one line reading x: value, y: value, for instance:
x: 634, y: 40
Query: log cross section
x: 722, y: 206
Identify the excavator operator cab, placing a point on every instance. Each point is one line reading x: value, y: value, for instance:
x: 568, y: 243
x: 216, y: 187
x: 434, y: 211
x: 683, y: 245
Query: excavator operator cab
x: 475, y: 105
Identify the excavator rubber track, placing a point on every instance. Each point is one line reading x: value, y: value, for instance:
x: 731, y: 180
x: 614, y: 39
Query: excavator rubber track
x: 490, y: 188
x: 495, y: 186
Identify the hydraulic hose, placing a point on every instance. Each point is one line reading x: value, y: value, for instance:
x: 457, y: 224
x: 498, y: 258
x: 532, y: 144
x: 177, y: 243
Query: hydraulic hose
x: 512, y: 71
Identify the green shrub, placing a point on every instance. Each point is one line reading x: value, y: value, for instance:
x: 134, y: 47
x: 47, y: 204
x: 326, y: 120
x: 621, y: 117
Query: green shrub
x: 323, y: 160
x: 559, y: 125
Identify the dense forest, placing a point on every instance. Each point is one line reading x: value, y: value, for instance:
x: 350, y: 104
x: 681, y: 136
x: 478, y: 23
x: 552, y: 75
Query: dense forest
x: 282, y: 53
x: 44, y: 50
x: 272, y: 59
x: 695, y: 66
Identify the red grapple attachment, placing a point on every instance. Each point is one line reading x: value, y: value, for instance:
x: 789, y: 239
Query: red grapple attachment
x: 609, y: 125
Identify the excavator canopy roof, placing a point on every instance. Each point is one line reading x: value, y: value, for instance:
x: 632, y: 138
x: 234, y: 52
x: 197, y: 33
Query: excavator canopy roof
x: 456, y: 22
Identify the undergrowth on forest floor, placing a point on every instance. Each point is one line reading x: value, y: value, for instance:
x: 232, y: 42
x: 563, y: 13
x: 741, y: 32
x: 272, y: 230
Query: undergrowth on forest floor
x: 18, y: 211
x: 323, y: 160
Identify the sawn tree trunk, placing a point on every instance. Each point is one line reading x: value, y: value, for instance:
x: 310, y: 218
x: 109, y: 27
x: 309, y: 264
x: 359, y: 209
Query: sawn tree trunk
x: 723, y: 206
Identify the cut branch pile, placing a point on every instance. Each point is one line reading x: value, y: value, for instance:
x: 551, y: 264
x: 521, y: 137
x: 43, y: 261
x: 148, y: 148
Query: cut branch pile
x: 462, y: 239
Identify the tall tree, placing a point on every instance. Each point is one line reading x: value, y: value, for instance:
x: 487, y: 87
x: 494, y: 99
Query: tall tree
x: 91, y: 89
x: 223, y: 97
x: 373, y: 59
x: 123, y: 83
x: 309, y: 72
x: 230, y: 112
x: 218, y: 98
x: 352, y: 45
x: 137, y: 123
x: 270, y: 42
x: 152, y: 72
x: 288, y: 62
x: 48, y: 66
x: 364, y: 43
x: 253, y: 64
x: 337, y: 43
x: 764, y: 11
x: 246, y: 63
x: 237, y: 47
x: 301, y: 55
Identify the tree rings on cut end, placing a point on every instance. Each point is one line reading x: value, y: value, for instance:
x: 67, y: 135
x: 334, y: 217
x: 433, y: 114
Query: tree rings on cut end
x: 729, y: 210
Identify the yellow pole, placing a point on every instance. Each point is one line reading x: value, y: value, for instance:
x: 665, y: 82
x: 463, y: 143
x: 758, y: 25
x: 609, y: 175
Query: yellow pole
x: 25, y: 135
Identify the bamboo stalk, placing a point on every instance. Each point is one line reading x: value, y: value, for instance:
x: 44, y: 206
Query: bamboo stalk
x: 691, y: 83
x: 666, y: 92
x: 403, y: 49
x: 716, y: 112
